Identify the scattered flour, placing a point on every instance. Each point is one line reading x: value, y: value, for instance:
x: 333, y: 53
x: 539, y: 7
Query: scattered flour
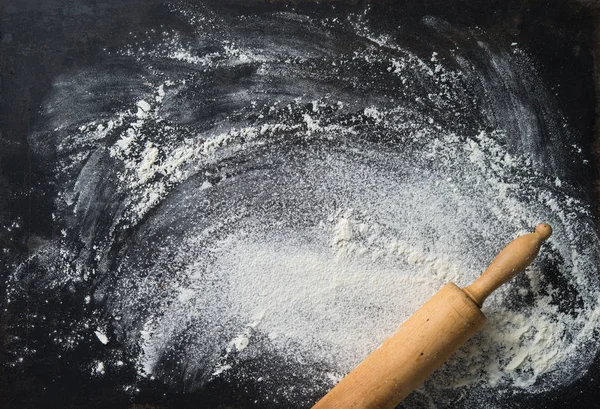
x: 101, y: 337
x: 335, y: 294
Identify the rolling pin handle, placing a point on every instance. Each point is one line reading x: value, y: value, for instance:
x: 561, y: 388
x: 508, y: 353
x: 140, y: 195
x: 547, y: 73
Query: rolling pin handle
x: 513, y: 259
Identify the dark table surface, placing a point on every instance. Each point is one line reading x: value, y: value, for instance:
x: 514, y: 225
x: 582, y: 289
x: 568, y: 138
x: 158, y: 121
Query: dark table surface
x: 40, y: 40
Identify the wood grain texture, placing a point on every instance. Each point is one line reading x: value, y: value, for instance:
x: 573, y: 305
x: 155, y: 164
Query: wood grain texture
x: 512, y: 260
x: 420, y: 346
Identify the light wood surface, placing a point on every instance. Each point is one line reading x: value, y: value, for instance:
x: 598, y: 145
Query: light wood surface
x: 511, y: 261
x: 431, y: 336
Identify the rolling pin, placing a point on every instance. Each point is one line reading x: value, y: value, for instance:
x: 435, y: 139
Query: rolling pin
x: 431, y: 336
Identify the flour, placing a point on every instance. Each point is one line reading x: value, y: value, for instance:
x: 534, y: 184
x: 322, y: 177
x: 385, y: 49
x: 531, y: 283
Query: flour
x: 98, y: 369
x: 101, y: 337
x: 355, y: 274
x: 333, y: 293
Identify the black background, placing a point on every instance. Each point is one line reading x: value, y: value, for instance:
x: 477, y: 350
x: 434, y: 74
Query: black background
x: 40, y: 39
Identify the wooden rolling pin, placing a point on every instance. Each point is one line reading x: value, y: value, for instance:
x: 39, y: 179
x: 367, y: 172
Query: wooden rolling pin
x: 431, y: 336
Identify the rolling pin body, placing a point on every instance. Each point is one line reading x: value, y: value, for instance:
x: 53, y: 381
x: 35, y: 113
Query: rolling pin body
x: 431, y: 336
x: 420, y: 346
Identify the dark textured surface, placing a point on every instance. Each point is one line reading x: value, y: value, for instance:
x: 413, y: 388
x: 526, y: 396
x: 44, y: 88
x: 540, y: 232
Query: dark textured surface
x: 43, y: 39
